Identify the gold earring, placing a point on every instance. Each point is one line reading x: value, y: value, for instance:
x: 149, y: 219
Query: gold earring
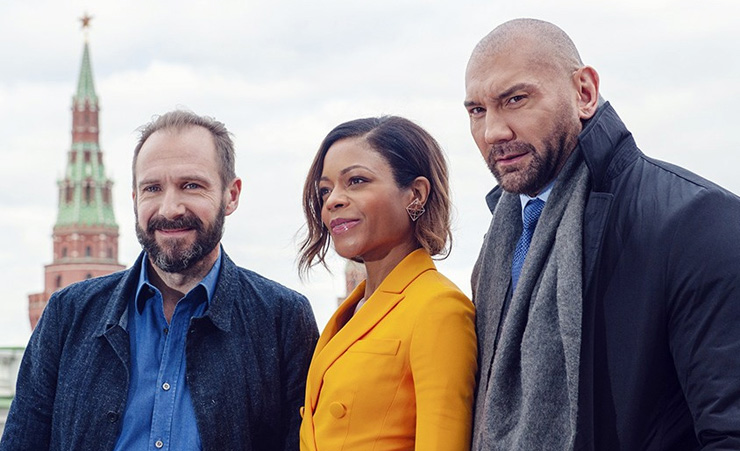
x: 415, y: 209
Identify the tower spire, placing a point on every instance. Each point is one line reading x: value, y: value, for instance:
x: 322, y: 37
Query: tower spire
x: 85, y: 84
x: 85, y: 233
x: 85, y: 23
x: 85, y: 191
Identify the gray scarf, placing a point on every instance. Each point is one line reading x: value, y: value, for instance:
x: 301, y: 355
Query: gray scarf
x: 528, y: 391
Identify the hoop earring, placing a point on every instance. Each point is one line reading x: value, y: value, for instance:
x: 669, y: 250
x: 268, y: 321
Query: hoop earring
x: 415, y: 209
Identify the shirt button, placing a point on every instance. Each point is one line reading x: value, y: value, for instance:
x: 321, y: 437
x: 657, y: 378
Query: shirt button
x: 158, y: 444
x: 337, y: 409
x: 165, y: 386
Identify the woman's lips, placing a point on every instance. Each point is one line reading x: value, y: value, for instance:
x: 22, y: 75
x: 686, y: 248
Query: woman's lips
x: 339, y: 226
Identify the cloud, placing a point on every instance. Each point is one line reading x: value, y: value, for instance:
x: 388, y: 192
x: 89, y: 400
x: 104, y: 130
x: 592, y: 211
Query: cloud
x: 281, y: 74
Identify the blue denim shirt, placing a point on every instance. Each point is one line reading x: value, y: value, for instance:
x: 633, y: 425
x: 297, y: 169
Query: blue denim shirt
x: 245, y: 364
x: 159, y: 412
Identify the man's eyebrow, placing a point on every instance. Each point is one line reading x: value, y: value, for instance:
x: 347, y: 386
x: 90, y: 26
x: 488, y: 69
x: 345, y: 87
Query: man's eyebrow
x: 191, y: 178
x: 142, y: 182
x: 503, y: 95
x: 513, y: 89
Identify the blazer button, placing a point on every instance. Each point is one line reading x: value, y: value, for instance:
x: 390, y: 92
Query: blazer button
x: 337, y: 409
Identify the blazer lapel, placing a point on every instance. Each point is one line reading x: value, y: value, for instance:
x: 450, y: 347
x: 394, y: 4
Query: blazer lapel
x: 336, y: 339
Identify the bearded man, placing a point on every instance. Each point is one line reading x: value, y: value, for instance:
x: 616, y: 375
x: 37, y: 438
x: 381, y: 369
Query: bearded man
x: 607, y: 290
x: 184, y: 350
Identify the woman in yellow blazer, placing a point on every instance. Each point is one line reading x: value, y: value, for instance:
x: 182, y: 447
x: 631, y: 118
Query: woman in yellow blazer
x: 395, y: 366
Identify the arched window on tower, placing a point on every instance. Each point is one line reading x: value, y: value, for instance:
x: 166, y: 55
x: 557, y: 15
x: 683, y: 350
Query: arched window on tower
x: 64, y: 252
x: 88, y: 193
x: 59, y: 282
x: 88, y: 251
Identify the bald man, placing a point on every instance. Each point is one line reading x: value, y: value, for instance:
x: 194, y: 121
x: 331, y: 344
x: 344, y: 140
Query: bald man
x: 608, y: 285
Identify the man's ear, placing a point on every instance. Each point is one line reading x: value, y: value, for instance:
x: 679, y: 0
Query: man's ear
x: 233, y: 191
x: 586, y: 80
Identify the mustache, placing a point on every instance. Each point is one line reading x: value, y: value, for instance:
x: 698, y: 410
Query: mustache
x: 183, y: 222
x: 507, y: 148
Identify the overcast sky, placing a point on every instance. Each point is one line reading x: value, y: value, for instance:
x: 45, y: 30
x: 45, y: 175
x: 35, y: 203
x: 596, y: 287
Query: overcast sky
x: 281, y: 74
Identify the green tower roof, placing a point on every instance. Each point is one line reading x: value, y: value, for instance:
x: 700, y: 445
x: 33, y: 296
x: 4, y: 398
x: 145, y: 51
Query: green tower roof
x: 85, y: 193
x: 85, y: 85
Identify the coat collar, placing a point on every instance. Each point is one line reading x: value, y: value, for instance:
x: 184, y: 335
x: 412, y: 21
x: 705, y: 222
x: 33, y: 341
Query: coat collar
x: 343, y: 329
x: 607, y: 147
x: 219, y: 310
x: 116, y: 311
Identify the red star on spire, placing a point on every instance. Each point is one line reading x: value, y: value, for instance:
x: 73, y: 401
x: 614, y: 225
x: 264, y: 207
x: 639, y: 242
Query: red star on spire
x: 86, y: 21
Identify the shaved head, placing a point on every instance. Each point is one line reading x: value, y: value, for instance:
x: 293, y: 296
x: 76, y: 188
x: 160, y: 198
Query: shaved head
x: 528, y: 96
x: 546, y: 44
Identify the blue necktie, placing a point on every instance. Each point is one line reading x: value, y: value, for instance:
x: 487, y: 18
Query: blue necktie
x: 532, y: 212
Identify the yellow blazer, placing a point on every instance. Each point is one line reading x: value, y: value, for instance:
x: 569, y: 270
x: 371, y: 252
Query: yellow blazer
x: 398, y: 375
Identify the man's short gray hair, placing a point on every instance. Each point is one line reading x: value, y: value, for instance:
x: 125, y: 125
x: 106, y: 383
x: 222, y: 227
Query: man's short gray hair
x: 180, y: 119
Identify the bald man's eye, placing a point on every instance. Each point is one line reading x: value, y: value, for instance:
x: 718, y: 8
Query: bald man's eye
x: 516, y: 99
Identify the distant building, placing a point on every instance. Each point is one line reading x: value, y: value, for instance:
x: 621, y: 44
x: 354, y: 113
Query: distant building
x: 85, y: 236
x: 354, y: 273
x: 10, y: 360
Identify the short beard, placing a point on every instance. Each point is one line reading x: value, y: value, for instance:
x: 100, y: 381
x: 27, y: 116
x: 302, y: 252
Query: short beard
x: 177, y: 258
x: 543, y: 167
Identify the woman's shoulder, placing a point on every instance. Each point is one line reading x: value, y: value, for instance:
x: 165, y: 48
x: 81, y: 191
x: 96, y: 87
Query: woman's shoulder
x: 435, y: 281
x: 432, y: 290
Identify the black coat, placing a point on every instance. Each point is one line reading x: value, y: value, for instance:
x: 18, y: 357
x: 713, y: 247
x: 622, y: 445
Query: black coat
x: 660, y: 352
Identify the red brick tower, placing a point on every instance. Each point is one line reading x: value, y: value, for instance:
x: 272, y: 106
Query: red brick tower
x: 354, y: 273
x: 85, y: 236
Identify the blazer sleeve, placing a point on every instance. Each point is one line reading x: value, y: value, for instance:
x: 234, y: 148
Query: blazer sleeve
x: 442, y: 357
x: 704, y: 316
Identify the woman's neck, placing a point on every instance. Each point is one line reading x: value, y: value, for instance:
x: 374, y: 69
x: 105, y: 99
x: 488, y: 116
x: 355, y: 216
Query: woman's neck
x: 377, y: 270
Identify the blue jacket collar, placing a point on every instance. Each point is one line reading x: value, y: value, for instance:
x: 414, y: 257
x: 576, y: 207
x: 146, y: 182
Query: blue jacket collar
x: 219, y: 311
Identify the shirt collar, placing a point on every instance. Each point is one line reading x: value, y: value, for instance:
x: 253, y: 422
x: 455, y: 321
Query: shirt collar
x: 543, y: 195
x: 145, y: 290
